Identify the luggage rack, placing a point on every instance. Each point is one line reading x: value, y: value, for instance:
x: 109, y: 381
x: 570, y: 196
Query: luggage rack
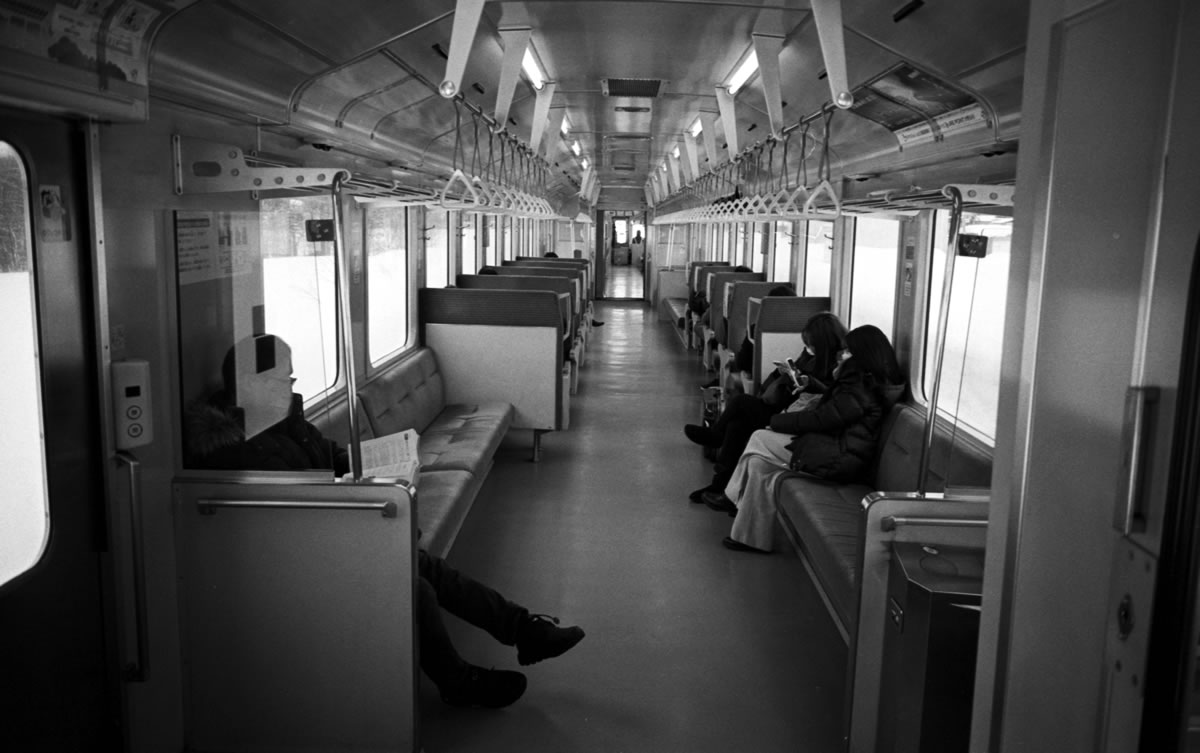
x: 205, y: 167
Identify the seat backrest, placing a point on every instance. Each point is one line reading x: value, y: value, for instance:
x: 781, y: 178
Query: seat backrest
x: 695, y: 269
x: 717, y: 298
x: 743, y: 291
x: 580, y: 264
x: 953, y: 459
x: 407, y: 396
x: 576, y: 275
x: 777, y: 330
x: 526, y: 282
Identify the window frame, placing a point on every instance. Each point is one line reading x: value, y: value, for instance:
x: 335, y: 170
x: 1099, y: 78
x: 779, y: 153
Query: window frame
x: 925, y: 331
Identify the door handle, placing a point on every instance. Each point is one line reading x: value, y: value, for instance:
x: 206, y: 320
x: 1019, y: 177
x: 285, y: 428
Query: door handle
x: 1129, y: 517
x: 138, y: 671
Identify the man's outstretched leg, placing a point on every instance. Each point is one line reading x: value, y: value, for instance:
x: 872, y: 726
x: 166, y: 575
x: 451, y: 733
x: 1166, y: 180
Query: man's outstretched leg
x: 536, y: 637
x: 460, y: 683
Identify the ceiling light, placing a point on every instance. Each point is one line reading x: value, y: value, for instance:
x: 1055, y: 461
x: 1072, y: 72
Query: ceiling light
x: 675, y: 151
x: 576, y: 148
x: 534, y: 71
x: 696, y: 128
x: 585, y: 163
x: 663, y: 166
x: 565, y: 128
x: 744, y: 71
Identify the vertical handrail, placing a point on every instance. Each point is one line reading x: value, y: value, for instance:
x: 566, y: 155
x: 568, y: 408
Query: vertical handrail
x: 939, y: 351
x: 341, y: 259
x: 139, y: 672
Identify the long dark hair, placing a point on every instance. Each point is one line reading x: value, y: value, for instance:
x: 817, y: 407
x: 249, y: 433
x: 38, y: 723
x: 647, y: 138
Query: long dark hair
x: 826, y: 335
x: 873, y: 355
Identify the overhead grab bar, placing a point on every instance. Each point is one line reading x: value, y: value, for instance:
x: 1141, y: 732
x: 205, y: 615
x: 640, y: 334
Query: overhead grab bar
x: 458, y: 176
x: 810, y: 204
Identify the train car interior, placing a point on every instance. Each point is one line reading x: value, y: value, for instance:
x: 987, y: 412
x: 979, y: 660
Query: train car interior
x: 361, y: 360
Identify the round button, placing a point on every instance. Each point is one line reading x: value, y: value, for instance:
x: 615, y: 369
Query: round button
x: 133, y: 412
x: 135, y: 430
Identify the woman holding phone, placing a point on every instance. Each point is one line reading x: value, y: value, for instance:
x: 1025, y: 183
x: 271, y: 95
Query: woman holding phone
x: 823, y: 336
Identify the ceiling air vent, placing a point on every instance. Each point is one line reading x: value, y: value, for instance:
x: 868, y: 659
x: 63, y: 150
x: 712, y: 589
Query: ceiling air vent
x: 630, y: 87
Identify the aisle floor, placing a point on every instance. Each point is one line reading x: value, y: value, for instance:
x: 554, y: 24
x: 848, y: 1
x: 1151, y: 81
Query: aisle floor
x: 690, y: 647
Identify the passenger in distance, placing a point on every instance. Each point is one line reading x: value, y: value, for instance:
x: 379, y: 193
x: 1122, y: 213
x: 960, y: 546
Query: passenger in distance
x: 256, y: 422
x: 824, y: 337
x: 834, y: 439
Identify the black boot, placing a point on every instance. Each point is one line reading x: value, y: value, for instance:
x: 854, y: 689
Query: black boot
x: 540, y: 637
x: 701, y: 435
x: 491, y: 688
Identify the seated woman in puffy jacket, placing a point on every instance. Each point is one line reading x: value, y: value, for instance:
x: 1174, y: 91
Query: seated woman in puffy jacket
x: 823, y: 336
x: 835, y: 439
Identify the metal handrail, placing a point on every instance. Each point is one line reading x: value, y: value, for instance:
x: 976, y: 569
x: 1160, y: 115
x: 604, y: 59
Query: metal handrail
x: 939, y: 348
x: 210, y: 506
x: 341, y: 256
x: 139, y: 671
x: 892, y: 522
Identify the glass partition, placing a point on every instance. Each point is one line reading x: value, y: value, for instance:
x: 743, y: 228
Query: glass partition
x: 257, y: 328
x: 970, y: 385
x: 873, y: 279
x: 785, y: 243
x: 437, y: 248
x: 758, y: 247
x: 818, y: 257
x: 387, y: 281
x: 469, y: 250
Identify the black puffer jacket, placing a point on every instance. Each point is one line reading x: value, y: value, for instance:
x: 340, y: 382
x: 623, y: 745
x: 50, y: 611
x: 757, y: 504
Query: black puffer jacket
x: 838, y: 437
x: 214, y: 440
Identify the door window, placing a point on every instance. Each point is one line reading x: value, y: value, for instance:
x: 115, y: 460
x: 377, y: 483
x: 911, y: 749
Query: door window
x: 24, y: 516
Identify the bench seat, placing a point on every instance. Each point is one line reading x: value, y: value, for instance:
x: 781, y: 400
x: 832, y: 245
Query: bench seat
x: 824, y: 522
x: 464, y: 437
x: 824, y: 519
x: 458, y: 441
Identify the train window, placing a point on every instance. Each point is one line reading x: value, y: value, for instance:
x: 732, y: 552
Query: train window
x: 25, y: 516
x: 468, y: 250
x: 873, y: 279
x: 487, y: 223
x: 785, y: 240
x: 818, y: 257
x: 739, y: 244
x: 437, y: 248
x: 387, y: 281
x: 506, y: 238
x: 975, y: 328
x: 299, y: 292
x: 758, y: 250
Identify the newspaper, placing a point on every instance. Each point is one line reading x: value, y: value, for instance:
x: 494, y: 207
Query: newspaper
x: 392, y: 456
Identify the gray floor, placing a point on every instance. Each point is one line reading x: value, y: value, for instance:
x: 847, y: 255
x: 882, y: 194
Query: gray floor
x: 624, y: 281
x: 689, y: 647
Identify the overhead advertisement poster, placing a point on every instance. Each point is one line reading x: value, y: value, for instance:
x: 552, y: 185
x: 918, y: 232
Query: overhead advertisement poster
x: 106, y: 36
x: 904, y: 100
